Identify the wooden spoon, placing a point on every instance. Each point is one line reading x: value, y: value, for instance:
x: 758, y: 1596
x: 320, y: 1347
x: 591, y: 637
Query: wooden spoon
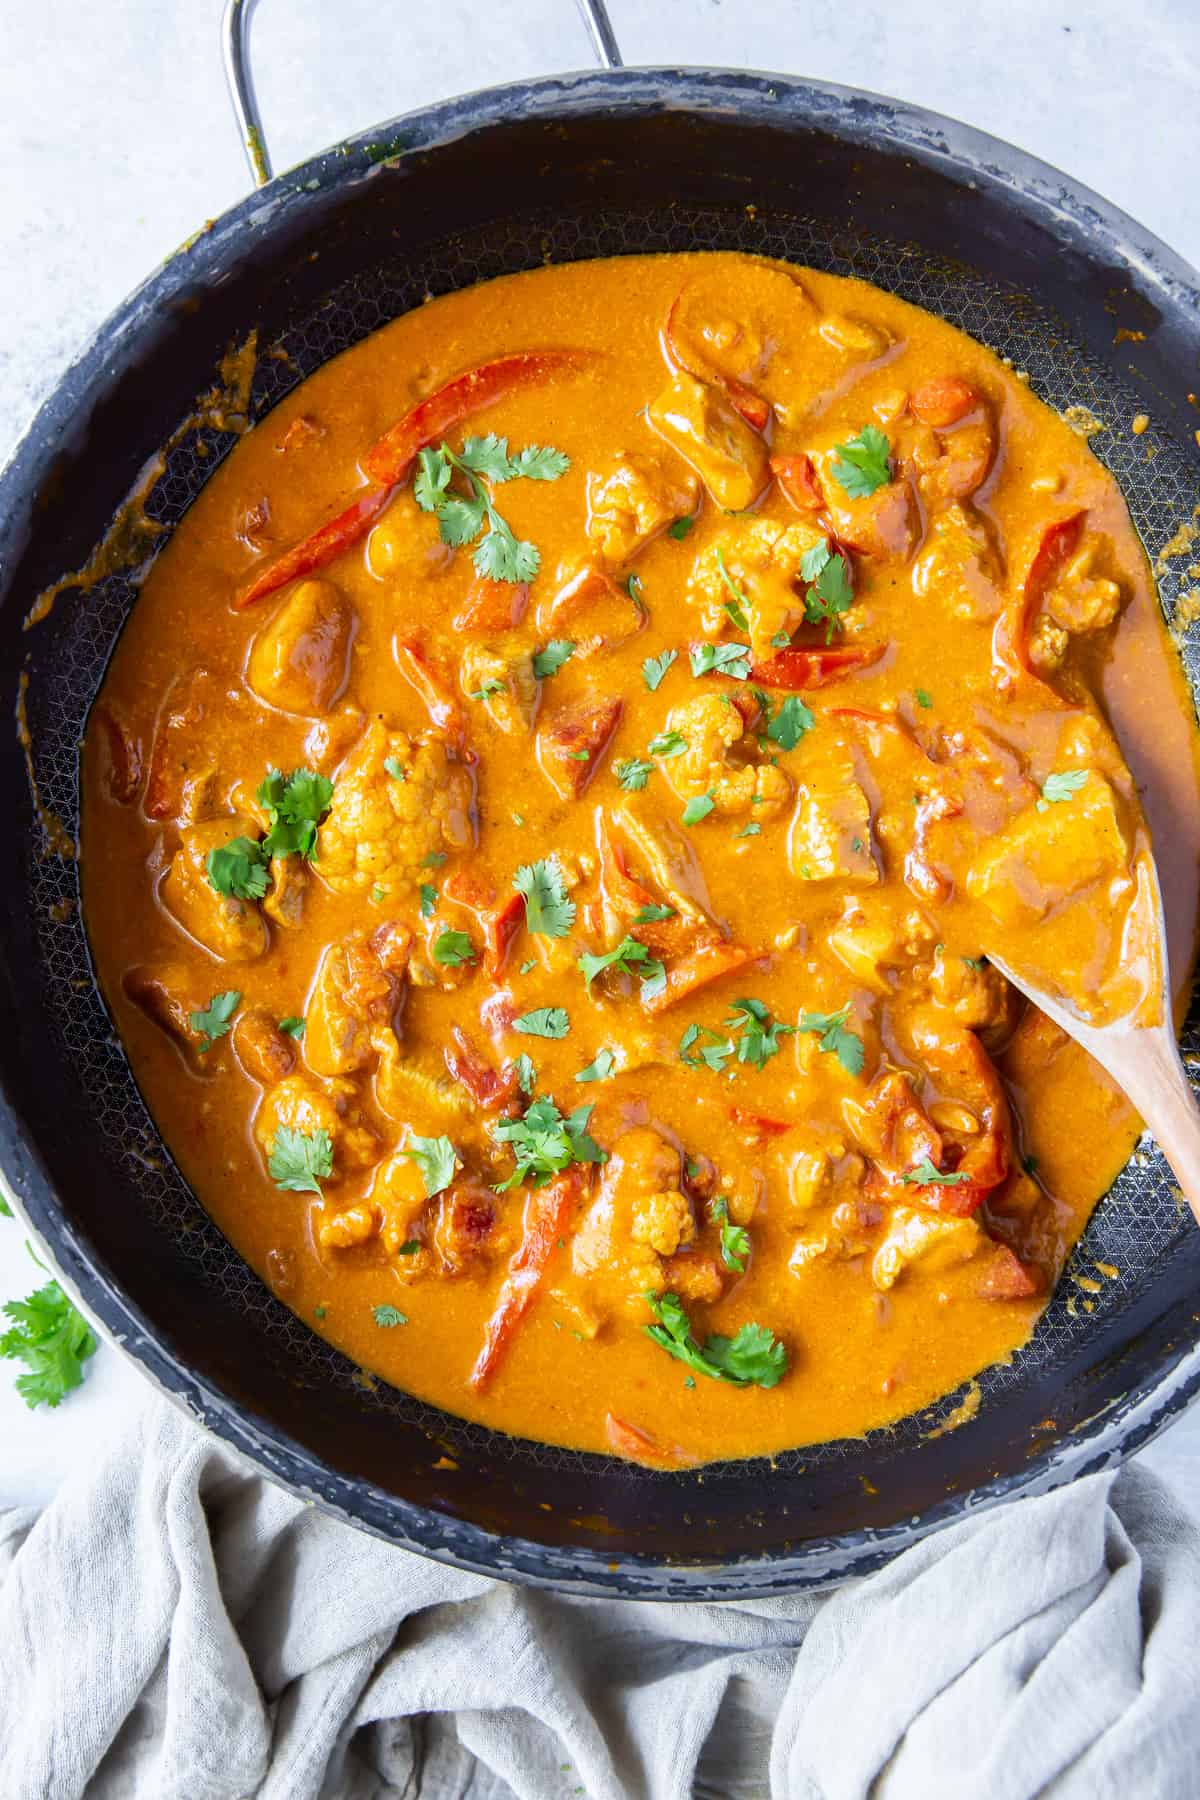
x: 1142, y: 1059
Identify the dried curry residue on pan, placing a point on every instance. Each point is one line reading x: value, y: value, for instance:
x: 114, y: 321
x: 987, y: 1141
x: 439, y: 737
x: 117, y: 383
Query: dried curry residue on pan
x: 546, y: 819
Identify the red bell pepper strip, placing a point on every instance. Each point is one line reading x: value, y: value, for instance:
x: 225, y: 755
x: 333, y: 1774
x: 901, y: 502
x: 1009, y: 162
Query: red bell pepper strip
x: 549, y: 1212
x: 752, y: 407
x: 1010, y: 634
x: 798, y: 482
x: 493, y: 606
x: 795, y: 669
x: 391, y: 457
x: 637, y: 1446
x: 707, y: 963
x: 444, y: 711
x: 956, y: 1057
x: 757, y: 1126
x: 319, y: 548
x: 499, y: 924
x: 625, y: 897
x: 494, y: 1091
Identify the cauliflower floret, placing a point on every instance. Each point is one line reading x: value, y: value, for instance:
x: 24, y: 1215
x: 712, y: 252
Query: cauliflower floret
x: 711, y: 727
x: 381, y: 830
x: 1081, y: 599
x: 639, y: 1215
x: 301, y: 1104
x: 761, y: 559
x: 632, y: 501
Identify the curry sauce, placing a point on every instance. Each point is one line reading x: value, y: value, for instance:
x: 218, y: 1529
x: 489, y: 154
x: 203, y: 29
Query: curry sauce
x: 547, y: 817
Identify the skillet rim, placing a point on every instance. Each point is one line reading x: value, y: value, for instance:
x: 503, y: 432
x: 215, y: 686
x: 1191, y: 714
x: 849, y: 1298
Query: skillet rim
x: 1026, y: 185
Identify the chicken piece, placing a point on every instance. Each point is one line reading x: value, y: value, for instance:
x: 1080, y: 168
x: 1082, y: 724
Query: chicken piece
x: 301, y: 1104
x: 871, y: 940
x: 330, y: 740
x: 169, y: 993
x: 885, y: 524
x: 402, y: 1211
x: 464, y: 1230
x: 231, y: 929
x: 358, y: 994
x: 405, y: 1091
x: 493, y: 607
x: 284, y: 899
x: 572, y: 741
x: 854, y: 337
x: 300, y: 660
x: 502, y: 681
x: 976, y: 995
x: 750, y: 332
x: 1081, y: 600
x: 267, y: 1054
x: 761, y: 560
x: 381, y: 831
x: 710, y: 728
x: 634, y: 499
x: 701, y: 424
x: 952, y: 464
x: 640, y: 1216
x: 830, y: 836
x: 667, y: 858
x: 851, y: 1232
x: 958, y: 566
x: 405, y: 545
x: 594, y: 611
x: 179, y: 742
x: 938, y: 1240
x: 1044, y: 857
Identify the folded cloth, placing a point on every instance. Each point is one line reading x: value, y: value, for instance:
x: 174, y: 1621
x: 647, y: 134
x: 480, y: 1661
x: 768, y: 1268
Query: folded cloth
x: 173, y: 1627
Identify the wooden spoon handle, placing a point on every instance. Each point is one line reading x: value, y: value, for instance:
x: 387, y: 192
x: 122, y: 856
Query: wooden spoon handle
x: 1157, y: 1084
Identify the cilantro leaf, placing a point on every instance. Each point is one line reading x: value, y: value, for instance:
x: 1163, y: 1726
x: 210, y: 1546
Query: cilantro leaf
x: 389, y: 1316
x: 736, y: 604
x: 238, y: 868
x: 600, y: 1068
x: 53, y: 1339
x: 538, y: 462
x: 460, y: 520
x: 293, y: 1026
x: 923, y: 697
x: 830, y: 595
x: 550, y: 660
x: 431, y: 480
x: 697, y: 808
x: 544, y: 1143
x: 655, y: 667
x: 755, y: 1357
x: 722, y: 659
x: 790, y: 723
x: 500, y: 555
x: 437, y: 1160
x: 681, y: 527
x: 752, y: 830
x: 549, y: 909
x: 6, y: 1211
x: 487, y: 456
x: 831, y: 1030
x: 667, y: 743
x: 295, y: 805
x: 1060, y: 786
x: 648, y: 915
x: 429, y: 900
x: 215, y: 1020
x: 453, y: 948
x: 713, y: 1054
x: 544, y: 1022
x: 632, y: 957
x: 927, y: 1173
x: 526, y: 1073
x: 300, y: 1160
x: 395, y: 768
x: 735, y: 1239
x: 862, y: 463
x: 758, y: 1039
x: 487, y: 690
x: 633, y: 773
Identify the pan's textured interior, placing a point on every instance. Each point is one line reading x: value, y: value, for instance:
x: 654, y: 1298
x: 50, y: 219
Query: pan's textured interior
x: 300, y: 1405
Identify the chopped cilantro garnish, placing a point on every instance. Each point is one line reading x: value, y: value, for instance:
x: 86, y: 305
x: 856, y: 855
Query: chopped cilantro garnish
x: 735, y: 1239
x: 633, y: 773
x: 600, y: 1068
x: 681, y: 527
x: 655, y: 667
x: 550, y: 659
x: 487, y: 690
x: 388, y: 1316
x: 544, y: 1143
x: 1060, y: 786
x: 633, y: 587
x: 453, y: 948
x: 752, y: 830
x: 926, y: 1173
x: 790, y: 723
x: 429, y: 900
x: 300, y: 1160
x: 214, y: 1021
x: 238, y: 868
x: 923, y: 697
x: 759, y: 1035
x: 697, y: 808
x: 526, y: 1073
x: 667, y: 743
x: 293, y: 1025
x: 295, y: 804
x: 831, y: 1030
x: 722, y: 659
x: 736, y: 604
x: 632, y: 957
x: 862, y: 463
x: 437, y: 1160
x: 549, y: 909
x: 713, y: 1054
x: 830, y: 593
x: 754, y: 1358
x: 396, y: 768
x: 544, y: 1022
x: 649, y: 915
x: 500, y: 555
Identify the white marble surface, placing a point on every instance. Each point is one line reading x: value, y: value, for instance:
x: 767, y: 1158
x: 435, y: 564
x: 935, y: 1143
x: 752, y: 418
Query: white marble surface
x: 117, y: 142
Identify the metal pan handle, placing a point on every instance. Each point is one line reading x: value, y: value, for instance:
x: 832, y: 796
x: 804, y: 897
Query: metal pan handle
x: 235, y: 44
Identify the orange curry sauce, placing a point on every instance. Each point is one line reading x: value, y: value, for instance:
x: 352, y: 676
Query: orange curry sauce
x: 910, y: 621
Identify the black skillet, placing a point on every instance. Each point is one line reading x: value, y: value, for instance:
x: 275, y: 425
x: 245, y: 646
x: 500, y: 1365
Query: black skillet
x: 577, y: 166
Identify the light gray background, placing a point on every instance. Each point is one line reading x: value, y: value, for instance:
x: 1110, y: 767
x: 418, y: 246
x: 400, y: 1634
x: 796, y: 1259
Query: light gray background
x: 116, y: 142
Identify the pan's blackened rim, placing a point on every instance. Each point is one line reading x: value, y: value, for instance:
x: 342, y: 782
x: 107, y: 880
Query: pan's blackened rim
x: 1075, y: 218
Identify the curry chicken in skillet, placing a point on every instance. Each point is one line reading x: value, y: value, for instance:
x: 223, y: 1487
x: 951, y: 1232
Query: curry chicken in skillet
x: 547, y: 818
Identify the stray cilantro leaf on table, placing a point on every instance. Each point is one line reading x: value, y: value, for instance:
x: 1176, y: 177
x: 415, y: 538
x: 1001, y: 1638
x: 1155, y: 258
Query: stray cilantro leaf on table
x: 862, y: 463
x: 754, y: 1358
x: 544, y: 1143
x: 215, y: 1020
x: 53, y: 1339
x: 300, y: 1160
x: 834, y: 1037
x: 1061, y: 786
x: 549, y: 909
x: 437, y: 1160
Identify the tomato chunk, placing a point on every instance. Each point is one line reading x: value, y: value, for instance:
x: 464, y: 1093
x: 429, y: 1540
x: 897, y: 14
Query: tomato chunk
x: 798, y: 482
x: 499, y: 924
x: 493, y: 1090
x: 943, y: 400
x: 796, y: 668
x: 492, y: 606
